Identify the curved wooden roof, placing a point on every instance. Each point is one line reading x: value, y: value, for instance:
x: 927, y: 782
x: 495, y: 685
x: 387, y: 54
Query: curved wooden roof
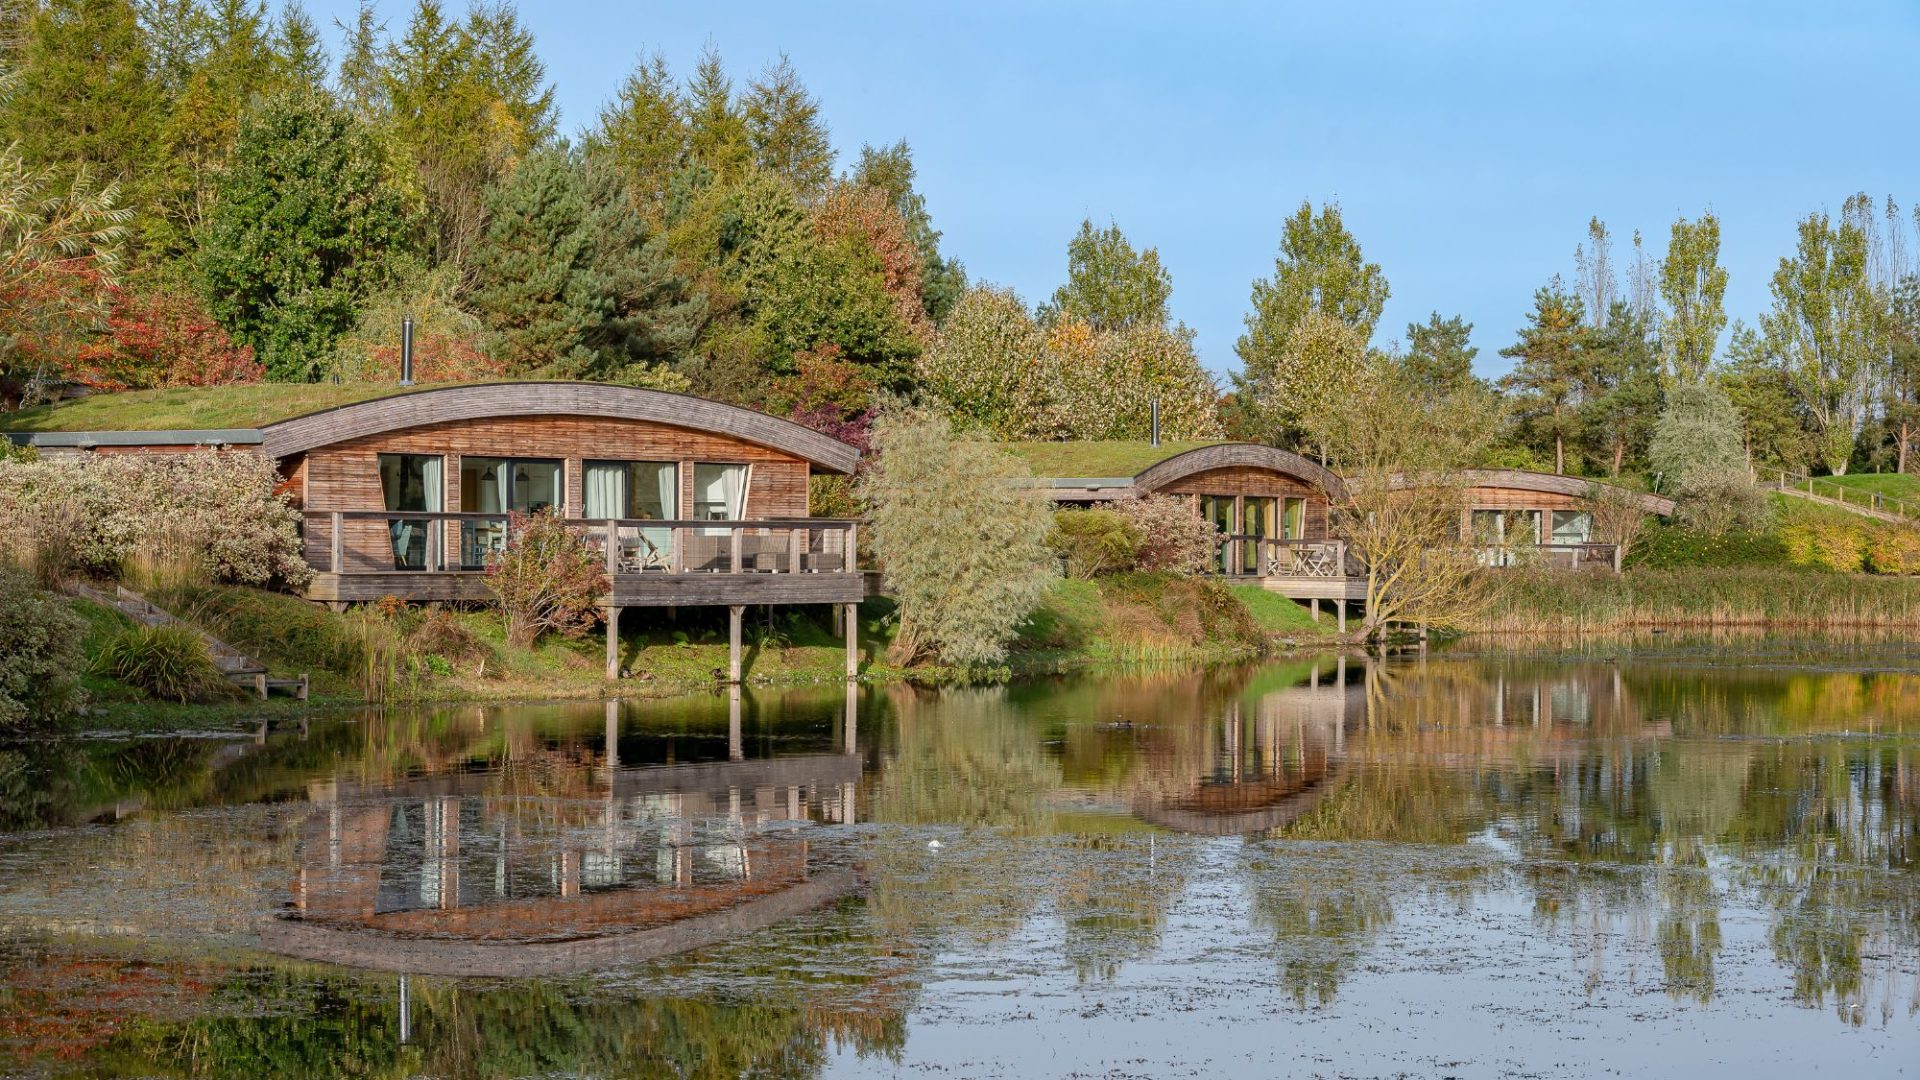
x: 1552, y: 484
x: 1227, y: 455
x: 492, y: 400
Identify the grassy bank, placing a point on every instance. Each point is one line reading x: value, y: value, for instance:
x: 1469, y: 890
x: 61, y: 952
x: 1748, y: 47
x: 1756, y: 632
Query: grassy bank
x: 1754, y: 595
x: 1152, y: 618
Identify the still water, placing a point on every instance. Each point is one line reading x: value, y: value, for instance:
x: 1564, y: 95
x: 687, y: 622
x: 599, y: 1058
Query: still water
x: 1661, y: 861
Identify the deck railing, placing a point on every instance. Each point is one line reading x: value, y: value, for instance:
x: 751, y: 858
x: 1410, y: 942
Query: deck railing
x: 403, y: 542
x: 1242, y: 555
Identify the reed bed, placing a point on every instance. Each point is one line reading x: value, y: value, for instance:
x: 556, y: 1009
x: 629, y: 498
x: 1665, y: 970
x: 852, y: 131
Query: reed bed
x: 1541, y: 603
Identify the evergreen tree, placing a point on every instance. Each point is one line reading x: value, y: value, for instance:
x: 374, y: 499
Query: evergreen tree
x: 1551, y: 370
x: 299, y: 58
x: 1440, y: 353
x: 568, y: 281
x: 785, y: 131
x: 890, y: 169
x: 1621, y: 398
x: 362, y: 74
x: 643, y: 132
x: 82, y: 100
x: 717, y: 132
x: 306, y: 222
x: 235, y: 69
x: 1108, y: 284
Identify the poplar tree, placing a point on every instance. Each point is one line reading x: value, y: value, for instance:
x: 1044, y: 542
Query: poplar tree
x: 1110, y: 285
x: 1320, y: 270
x: 1822, y: 331
x: 1693, y: 286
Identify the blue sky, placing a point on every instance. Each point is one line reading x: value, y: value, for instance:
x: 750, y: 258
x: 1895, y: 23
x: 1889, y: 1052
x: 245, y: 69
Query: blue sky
x: 1467, y: 143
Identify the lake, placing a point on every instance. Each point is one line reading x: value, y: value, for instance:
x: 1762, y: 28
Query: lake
x: 1659, y: 856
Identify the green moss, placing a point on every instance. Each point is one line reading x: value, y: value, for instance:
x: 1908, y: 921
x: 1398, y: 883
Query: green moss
x: 1095, y: 460
x: 196, y: 408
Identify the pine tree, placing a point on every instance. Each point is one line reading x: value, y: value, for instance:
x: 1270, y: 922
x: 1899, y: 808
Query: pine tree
x: 1440, y: 353
x: 1551, y: 370
x: 299, y: 58
x: 651, y: 314
x: 306, y: 223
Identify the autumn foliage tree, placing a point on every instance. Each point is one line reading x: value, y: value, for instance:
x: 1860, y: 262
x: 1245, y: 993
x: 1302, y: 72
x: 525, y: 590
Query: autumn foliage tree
x: 546, y: 581
x: 161, y: 339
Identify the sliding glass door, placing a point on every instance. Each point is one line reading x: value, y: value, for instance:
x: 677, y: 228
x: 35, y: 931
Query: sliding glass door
x: 494, y: 485
x: 644, y: 490
x: 412, y: 483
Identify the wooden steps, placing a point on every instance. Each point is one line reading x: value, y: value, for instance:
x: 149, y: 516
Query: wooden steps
x: 237, y: 666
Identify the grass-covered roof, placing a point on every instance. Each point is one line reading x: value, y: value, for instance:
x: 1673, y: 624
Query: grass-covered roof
x: 193, y: 408
x: 1096, y: 460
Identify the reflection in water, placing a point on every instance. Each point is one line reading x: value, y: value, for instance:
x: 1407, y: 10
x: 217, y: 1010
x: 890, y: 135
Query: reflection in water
x: 1732, y: 837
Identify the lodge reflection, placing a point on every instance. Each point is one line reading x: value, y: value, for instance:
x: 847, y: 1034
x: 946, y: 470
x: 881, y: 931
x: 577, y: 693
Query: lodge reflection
x: 458, y: 872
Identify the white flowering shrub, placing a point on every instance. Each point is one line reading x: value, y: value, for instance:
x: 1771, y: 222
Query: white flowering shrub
x: 216, y: 509
x: 1174, y: 539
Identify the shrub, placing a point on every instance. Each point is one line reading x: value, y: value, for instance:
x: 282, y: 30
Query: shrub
x: 170, y: 662
x: 1094, y: 542
x: 1894, y: 549
x: 961, y: 538
x: 1173, y: 539
x: 1717, y: 501
x: 163, y: 339
x: 219, y: 509
x: 440, y: 633
x: 547, y: 581
x: 1826, y: 543
x: 40, y: 653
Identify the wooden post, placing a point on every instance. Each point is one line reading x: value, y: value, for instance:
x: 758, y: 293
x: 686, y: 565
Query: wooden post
x: 796, y: 548
x: 1316, y: 608
x: 337, y: 544
x: 851, y: 616
x: 853, y: 548
x: 613, y: 642
x: 1340, y: 606
x: 733, y: 557
x: 1617, y: 556
x: 735, y: 615
x: 613, y: 550
x: 679, y: 560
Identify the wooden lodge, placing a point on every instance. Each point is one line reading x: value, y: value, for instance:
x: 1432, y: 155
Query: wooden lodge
x: 409, y: 494
x: 1272, y: 510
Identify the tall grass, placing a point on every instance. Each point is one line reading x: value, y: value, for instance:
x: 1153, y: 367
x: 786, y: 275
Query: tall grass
x: 169, y: 662
x: 1550, y: 603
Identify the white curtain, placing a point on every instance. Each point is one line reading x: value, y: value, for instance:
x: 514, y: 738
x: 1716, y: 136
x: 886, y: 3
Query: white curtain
x: 666, y: 480
x: 721, y: 488
x: 433, y: 478
x: 606, y: 490
x: 733, y: 486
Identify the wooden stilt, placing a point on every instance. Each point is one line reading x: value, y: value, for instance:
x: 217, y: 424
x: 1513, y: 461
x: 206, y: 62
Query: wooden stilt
x: 613, y: 642
x: 736, y: 614
x: 850, y: 623
x: 839, y: 616
x: 1341, y: 607
x: 1316, y: 608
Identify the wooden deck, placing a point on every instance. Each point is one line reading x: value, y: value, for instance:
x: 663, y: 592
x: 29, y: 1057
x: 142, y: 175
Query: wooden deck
x: 649, y: 563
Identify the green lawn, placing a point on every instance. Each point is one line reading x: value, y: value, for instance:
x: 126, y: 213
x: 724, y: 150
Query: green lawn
x: 1096, y: 460
x: 1277, y: 614
x: 1902, y: 486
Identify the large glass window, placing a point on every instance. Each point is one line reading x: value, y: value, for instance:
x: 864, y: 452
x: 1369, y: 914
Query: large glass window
x: 647, y: 490
x: 1258, y: 516
x: 1572, y: 526
x: 495, y: 485
x: 1217, y: 510
x: 411, y: 483
x: 1293, y: 522
x: 719, y: 492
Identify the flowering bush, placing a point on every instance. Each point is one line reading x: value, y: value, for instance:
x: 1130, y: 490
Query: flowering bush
x: 1173, y: 538
x: 40, y: 654
x: 217, y: 510
x: 546, y: 580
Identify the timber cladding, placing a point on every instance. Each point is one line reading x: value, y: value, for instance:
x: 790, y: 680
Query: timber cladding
x: 346, y: 475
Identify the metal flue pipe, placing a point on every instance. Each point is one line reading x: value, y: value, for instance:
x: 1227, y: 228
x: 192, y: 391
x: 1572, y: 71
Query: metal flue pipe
x: 406, y: 350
